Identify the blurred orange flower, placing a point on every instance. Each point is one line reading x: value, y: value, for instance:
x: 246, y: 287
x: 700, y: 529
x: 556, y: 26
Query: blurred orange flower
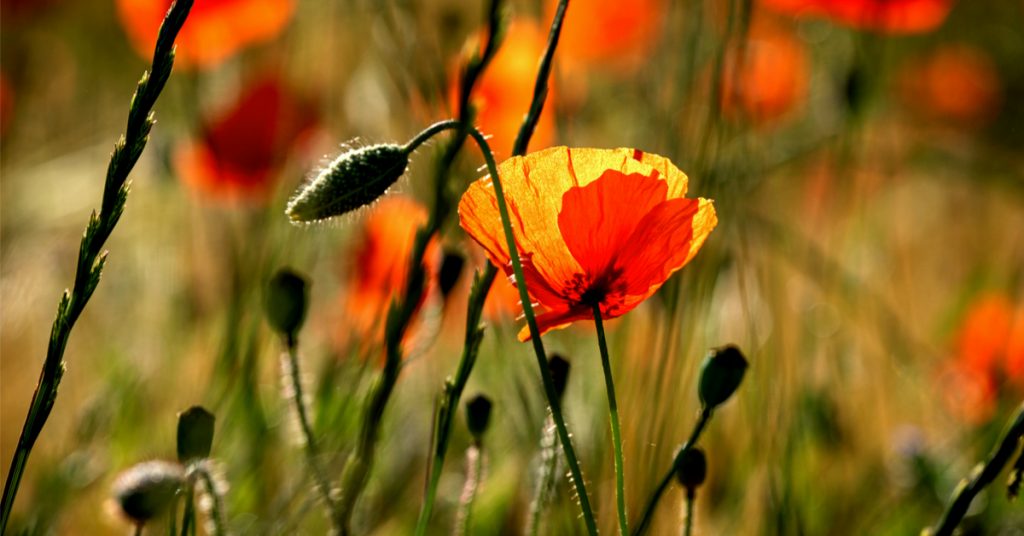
x: 602, y: 227
x: 502, y: 301
x: 382, y: 259
x: 768, y: 79
x: 609, y: 34
x: 242, y: 149
x: 957, y: 83
x: 886, y: 16
x: 215, y: 29
x: 989, y: 356
x: 503, y: 93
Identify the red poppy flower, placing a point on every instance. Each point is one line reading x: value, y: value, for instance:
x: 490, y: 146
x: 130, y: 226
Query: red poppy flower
x: 610, y: 34
x: 600, y: 227
x: 215, y: 29
x: 887, y: 16
x: 503, y: 93
x: 243, y: 148
x: 955, y: 83
x: 770, y: 77
x: 382, y: 263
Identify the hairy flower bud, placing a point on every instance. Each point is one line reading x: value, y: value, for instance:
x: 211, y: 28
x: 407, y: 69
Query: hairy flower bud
x: 286, y: 302
x: 478, y: 415
x: 195, y: 434
x: 146, y: 490
x: 354, y: 179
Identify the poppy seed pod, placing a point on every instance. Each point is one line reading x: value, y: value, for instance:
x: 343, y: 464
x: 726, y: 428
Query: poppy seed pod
x: 451, y: 269
x: 559, y: 369
x: 478, y: 415
x: 146, y: 490
x: 286, y: 302
x: 720, y: 375
x: 195, y: 434
x: 354, y: 179
x: 691, y: 468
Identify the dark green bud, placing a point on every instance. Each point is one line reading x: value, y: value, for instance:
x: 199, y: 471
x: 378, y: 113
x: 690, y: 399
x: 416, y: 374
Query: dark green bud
x: 720, y: 375
x: 195, y: 434
x: 355, y: 179
x: 478, y: 415
x: 691, y: 468
x: 451, y: 269
x: 286, y: 301
x: 146, y: 490
x: 559, y: 369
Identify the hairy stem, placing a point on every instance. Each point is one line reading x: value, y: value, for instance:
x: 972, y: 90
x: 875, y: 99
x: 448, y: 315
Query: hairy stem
x: 613, y: 414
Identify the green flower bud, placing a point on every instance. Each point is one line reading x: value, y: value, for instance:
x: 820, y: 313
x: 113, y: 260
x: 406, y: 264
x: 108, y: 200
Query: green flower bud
x: 691, y: 467
x: 720, y: 375
x: 287, y: 299
x: 146, y: 490
x: 353, y: 180
x: 195, y: 434
x: 478, y: 415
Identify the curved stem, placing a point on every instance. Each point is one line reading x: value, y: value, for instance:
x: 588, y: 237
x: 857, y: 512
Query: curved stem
x: 613, y: 414
x: 312, y: 453
x: 652, y: 502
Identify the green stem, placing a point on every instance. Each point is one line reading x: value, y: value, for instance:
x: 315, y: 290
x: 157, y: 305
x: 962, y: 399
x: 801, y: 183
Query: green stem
x: 188, y: 518
x: 982, y: 476
x: 666, y: 480
x: 547, y: 474
x: 312, y: 452
x: 691, y: 496
x: 613, y: 414
x: 91, y: 257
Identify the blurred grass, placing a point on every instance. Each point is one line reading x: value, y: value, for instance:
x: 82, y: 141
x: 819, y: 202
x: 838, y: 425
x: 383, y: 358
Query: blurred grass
x: 848, y: 251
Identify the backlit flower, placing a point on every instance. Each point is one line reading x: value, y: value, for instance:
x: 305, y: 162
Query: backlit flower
x: 215, y: 29
x: 503, y: 93
x: 603, y: 227
x: 242, y: 149
x: 886, y: 16
x: 769, y: 79
x: 382, y: 258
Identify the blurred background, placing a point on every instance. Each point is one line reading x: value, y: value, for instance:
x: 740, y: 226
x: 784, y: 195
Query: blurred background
x: 867, y: 169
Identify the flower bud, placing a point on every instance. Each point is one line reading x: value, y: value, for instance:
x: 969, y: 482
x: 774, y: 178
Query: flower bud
x: 691, y: 467
x: 559, y: 369
x: 286, y: 302
x: 720, y: 375
x: 146, y: 490
x: 195, y: 434
x: 478, y: 415
x: 354, y: 179
x: 451, y: 269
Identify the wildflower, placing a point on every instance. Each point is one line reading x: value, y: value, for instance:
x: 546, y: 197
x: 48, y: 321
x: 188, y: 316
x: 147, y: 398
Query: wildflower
x: 242, y: 149
x: 610, y: 34
x: 769, y: 79
x: 603, y: 227
x: 884, y: 16
x: 503, y: 93
x: 216, y: 29
x: 955, y: 83
x: 382, y: 260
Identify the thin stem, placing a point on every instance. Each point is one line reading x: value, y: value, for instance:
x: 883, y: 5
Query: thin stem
x: 691, y: 497
x: 474, y: 475
x: 138, y: 529
x: 188, y: 518
x: 216, y: 504
x: 538, y: 346
x: 312, y: 452
x: 613, y: 414
x: 982, y: 476
x: 666, y: 480
x: 546, y: 479
x: 91, y: 257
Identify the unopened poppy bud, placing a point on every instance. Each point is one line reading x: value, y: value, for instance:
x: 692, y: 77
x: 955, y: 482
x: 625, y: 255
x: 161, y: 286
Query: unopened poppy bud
x: 478, y: 415
x: 353, y: 180
x: 286, y: 301
x: 691, y: 468
x: 559, y: 369
x: 720, y: 375
x: 195, y: 434
x: 146, y: 490
x: 451, y: 269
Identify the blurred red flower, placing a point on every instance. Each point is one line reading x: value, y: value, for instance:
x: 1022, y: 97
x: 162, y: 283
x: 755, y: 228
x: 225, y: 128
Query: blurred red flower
x: 602, y: 227
x: 989, y: 358
x: 609, y: 34
x: 6, y: 104
x: 214, y: 31
x: 886, y: 16
x: 382, y: 258
x: 955, y: 83
x: 241, y: 150
x: 768, y: 78
x: 503, y: 93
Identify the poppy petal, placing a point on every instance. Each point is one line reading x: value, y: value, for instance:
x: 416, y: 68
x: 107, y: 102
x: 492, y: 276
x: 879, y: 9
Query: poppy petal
x: 555, y: 320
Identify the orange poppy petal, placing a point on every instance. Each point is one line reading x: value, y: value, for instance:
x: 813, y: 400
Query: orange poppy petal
x: 667, y: 238
x: 597, y: 219
x: 552, y: 320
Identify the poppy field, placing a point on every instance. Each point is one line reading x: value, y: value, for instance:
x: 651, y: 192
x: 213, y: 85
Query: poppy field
x: 512, y: 267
